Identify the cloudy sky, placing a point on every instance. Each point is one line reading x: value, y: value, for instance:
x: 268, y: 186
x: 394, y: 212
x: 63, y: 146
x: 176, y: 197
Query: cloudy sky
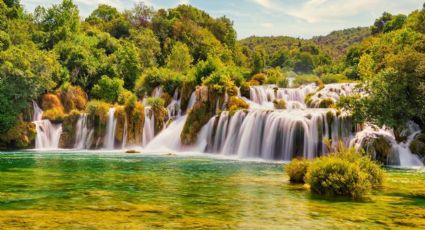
x: 298, y: 18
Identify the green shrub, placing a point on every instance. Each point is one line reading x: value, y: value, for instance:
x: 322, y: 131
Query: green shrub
x: 276, y: 76
x: 334, y: 176
x: 55, y: 115
x: 127, y: 98
x: 296, y: 170
x: 170, y: 80
x: 344, y: 173
x: 334, y: 78
x: 306, y: 79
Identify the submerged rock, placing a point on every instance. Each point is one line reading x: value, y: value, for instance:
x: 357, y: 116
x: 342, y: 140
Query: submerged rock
x: 132, y: 151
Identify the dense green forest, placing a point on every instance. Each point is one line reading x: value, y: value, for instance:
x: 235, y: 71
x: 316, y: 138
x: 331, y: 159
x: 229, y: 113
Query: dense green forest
x: 70, y: 65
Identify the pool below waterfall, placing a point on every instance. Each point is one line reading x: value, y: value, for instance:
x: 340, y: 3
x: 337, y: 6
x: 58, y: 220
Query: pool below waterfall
x: 103, y: 189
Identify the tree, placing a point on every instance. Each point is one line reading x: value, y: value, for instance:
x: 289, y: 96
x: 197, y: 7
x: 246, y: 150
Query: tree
x: 108, y: 89
x: 25, y: 73
x: 103, y: 13
x: 58, y: 23
x: 140, y: 15
x: 179, y: 60
x: 127, y: 58
x: 258, y: 61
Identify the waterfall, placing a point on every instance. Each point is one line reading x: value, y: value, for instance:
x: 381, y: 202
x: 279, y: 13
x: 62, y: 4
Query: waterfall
x: 262, y: 96
x: 400, y: 153
x: 148, y: 127
x: 48, y: 134
x: 333, y: 92
x: 109, y: 140
x: 192, y: 101
x: 124, y: 134
x: 276, y: 135
x: 83, y: 136
x: 174, y: 107
x: 169, y: 138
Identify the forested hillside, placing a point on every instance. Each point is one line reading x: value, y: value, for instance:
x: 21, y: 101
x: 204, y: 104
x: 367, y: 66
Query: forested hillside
x: 71, y: 65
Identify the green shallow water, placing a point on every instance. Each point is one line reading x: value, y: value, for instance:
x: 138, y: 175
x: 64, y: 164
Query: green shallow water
x: 107, y: 190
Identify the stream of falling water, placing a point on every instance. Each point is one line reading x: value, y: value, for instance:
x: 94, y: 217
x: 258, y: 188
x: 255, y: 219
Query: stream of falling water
x: 300, y: 130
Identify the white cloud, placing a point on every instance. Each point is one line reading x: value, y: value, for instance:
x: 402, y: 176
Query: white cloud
x: 265, y: 3
x: 267, y: 25
x: 184, y: 2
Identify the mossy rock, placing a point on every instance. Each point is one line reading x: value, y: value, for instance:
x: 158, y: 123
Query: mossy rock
x: 417, y: 146
x: 245, y: 90
x: 97, y: 112
x: 279, y: 104
x: 185, y: 94
x: 121, y: 117
x: 380, y: 148
x: 73, y: 97
x: 198, y: 116
x: 235, y: 103
x: 327, y: 103
x: 21, y: 136
x: 136, y: 121
x: 69, y: 125
x: 51, y: 101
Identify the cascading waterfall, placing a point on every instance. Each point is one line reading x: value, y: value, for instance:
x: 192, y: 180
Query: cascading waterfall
x: 109, y: 140
x: 48, y: 134
x: 148, y: 127
x: 276, y: 135
x: 84, y: 135
x: 260, y: 132
x: 173, y: 108
x: 192, y: 101
x: 268, y: 93
x: 400, y: 153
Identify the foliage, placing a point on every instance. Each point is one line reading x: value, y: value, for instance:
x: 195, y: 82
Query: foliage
x: 108, y: 89
x: 296, y: 170
x: 98, y: 110
x: 333, y: 78
x: 344, y: 173
x: 179, y: 60
x: 306, y: 79
x: 73, y: 97
x: 23, y: 68
x: 155, y: 77
x: 277, y: 77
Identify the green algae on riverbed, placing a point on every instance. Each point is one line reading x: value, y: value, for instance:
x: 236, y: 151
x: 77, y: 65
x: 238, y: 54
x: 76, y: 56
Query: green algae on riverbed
x: 87, y: 190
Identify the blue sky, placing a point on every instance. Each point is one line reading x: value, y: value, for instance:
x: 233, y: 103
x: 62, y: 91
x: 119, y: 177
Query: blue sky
x: 297, y: 18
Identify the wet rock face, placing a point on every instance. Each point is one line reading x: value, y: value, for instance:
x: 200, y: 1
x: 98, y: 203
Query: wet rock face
x: 417, y: 146
x: 382, y: 148
x: 69, y: 125
x: 202, y: 93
